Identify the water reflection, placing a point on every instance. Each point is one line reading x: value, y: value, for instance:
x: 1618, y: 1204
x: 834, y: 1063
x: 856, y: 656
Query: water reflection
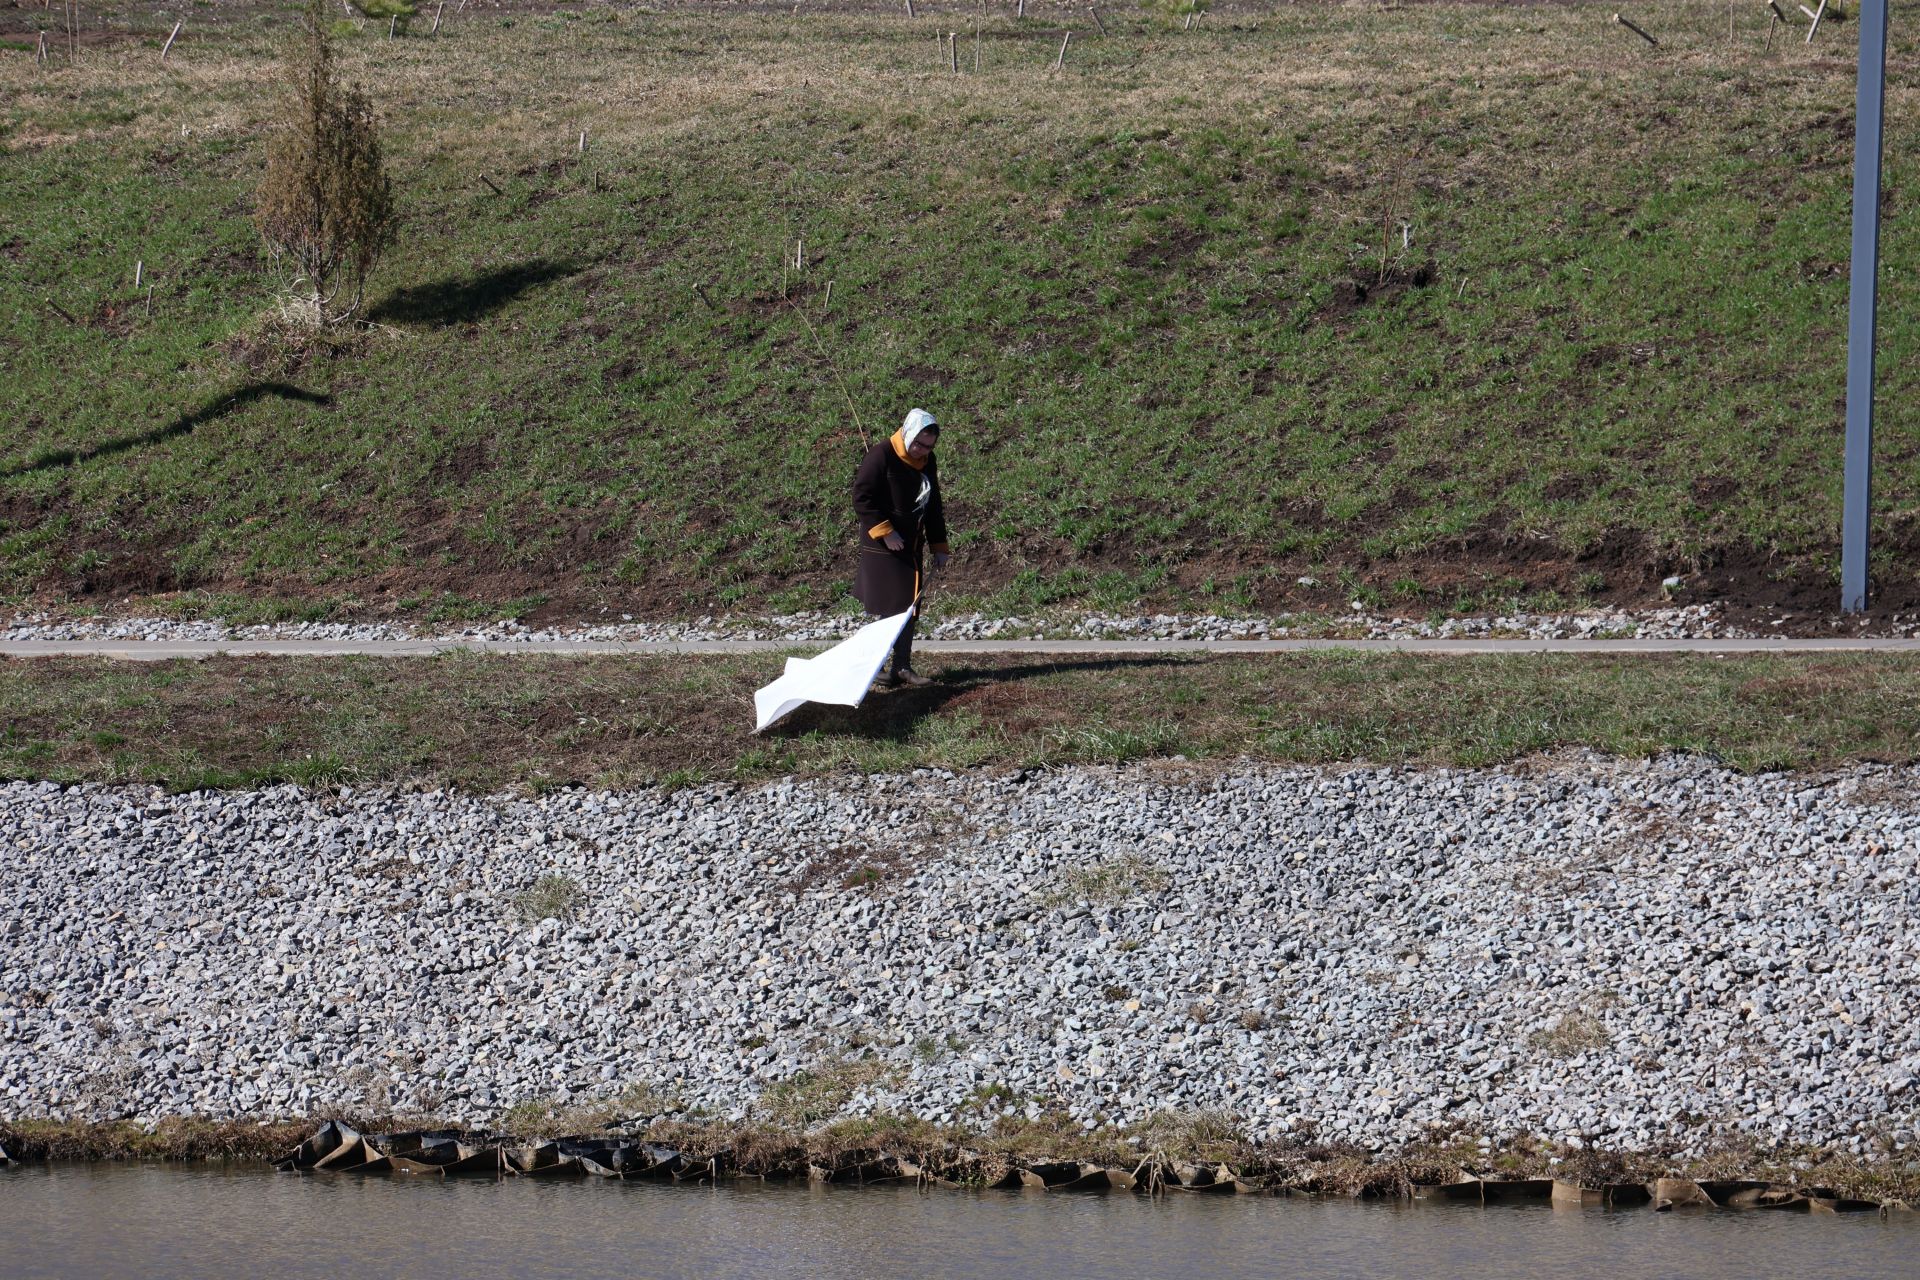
x: 108, y: 1221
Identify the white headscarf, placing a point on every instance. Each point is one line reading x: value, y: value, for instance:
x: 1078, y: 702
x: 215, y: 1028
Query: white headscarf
x: 918, y: 420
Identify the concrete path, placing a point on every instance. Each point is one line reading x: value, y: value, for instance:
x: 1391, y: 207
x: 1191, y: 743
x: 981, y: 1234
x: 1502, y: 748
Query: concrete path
x: 143, y: 650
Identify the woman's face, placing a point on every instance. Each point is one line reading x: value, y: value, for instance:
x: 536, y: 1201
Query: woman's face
x: 922, y: 447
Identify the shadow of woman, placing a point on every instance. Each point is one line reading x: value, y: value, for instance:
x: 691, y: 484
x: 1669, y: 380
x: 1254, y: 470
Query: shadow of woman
x: 893, y: 715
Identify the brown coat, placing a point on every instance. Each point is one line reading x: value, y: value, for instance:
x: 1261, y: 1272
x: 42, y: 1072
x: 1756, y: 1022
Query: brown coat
x: 891, y: 495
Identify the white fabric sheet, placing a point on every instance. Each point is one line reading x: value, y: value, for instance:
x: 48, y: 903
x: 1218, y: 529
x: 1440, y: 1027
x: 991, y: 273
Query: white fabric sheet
x: 841, y: 676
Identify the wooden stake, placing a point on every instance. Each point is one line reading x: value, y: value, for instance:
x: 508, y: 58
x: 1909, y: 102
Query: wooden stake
x: 1189, y: 22
x: 828, y: 300
x: 1773, y: 21
x: 1805, y: 10
x: 1098, y: 23
x: 60, y: 311
x: 910, y: 12
x: 41, y: 51
x: 976, y: 42
x: 701, y: 289
x: 437, y: 10
x: 149, y: 300
x: 392, y: 22
x: 489, y: 181
x: 1775, y: 6
x: 165, y: 48
x: 139, y: 271
x: 1633, y: 27
x: 953, y: 50
x: 583, y: 142
x: 1814, y: 29
x: 1021, y: 11
x: 1061, y: 61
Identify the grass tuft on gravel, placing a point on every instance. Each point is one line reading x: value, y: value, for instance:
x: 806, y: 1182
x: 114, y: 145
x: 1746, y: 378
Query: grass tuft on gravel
x: 550, y: 897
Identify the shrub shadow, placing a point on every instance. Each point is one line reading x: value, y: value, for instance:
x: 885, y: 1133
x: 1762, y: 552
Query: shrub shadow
x: 464, y: 298
x: 216, y: 408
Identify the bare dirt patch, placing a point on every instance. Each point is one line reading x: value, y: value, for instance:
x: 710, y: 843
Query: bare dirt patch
x: 1758, y: 587
x: 1352, y: 293
x: 1165, y: 251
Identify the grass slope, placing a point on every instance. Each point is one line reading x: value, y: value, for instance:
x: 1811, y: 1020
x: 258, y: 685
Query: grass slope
x: 1161, y: 296
x: 491, y: 722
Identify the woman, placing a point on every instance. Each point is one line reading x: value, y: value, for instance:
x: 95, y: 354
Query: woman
x: 896, y: 494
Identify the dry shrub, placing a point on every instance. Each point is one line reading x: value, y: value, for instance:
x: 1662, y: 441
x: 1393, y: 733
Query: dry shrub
x: 325, y: 204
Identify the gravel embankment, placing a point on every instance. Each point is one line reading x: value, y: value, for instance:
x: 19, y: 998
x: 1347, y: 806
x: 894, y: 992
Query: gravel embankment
x: 1633, y: 956
x: 1690, y: 622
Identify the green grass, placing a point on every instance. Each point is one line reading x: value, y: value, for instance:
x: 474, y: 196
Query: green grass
x: 1122, y: 286
x: 531, y: 723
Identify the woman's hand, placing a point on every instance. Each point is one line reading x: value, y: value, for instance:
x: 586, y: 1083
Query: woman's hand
x: 894, y: 542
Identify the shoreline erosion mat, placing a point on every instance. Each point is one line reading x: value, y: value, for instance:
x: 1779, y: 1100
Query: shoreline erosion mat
x: 481, y: 722
x: 1188, y: 1154
x: 931, y: 1159
x: 1436, y: 305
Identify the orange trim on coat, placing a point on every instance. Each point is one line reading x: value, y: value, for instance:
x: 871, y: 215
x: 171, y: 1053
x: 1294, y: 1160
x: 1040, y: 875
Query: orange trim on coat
x: 899, y: 442
x: 881, y: 530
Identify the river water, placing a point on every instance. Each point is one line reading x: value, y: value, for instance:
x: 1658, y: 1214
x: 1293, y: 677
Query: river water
x: 115, y: 1220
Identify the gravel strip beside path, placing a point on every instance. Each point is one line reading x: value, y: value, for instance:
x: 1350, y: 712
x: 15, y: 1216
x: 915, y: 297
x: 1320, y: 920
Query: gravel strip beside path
x: 1685, y: 622
x: 1629, y: 955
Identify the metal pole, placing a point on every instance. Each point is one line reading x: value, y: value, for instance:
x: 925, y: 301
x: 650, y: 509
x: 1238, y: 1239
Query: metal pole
x: 1862, y: 299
